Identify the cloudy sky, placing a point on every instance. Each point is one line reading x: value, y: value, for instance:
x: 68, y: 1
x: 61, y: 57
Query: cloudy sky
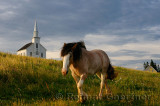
x: 128, y: 30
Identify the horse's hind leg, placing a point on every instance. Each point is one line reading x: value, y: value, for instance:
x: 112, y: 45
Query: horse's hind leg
x: 103, y: 75
x: 108, y: 91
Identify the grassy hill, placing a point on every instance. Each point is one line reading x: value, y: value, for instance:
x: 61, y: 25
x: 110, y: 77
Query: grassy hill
x: 35, y: 81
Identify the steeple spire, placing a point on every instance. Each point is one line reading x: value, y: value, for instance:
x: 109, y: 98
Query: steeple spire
x: 35, y: 26
x: 35, y: 33
x: 36, y: 38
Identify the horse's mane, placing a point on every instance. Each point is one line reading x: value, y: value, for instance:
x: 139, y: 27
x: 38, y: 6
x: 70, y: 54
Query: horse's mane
x: 75, y: 48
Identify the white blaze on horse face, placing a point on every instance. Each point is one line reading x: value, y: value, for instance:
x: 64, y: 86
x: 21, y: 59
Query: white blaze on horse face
x: 66, y: 61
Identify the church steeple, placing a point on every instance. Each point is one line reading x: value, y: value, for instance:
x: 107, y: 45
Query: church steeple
x: 35, y: 32
x: 36, y: 38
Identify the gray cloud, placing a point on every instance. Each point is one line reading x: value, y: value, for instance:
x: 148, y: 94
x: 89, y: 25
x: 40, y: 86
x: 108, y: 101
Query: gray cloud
x: 124, y: 52
x: 156, y: 56
x: 77, y: 18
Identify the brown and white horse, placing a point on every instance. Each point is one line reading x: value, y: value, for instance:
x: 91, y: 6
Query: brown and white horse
x: 83, y: 63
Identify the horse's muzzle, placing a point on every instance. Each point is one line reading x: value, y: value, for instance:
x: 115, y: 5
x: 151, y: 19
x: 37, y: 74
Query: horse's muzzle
x: 64, y: 72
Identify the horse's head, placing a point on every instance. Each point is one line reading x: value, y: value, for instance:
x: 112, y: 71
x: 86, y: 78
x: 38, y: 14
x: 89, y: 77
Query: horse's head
x: 71, y: 52
x: 66, y: 63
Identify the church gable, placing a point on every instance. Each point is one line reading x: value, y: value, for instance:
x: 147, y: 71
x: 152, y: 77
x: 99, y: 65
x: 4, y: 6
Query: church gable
x: 43, y: 47
x: 31, y: 47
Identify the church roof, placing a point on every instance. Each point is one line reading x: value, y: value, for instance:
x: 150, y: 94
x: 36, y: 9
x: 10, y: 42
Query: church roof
x: 25, y: 46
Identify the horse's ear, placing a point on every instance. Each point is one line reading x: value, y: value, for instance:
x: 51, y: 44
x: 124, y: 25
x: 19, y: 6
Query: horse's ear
x: 74, y: 47
x: 64, y: 44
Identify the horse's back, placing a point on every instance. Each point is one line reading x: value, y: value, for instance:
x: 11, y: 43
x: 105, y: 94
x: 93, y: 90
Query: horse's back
x: 101, y: 53
x: 99, y: 56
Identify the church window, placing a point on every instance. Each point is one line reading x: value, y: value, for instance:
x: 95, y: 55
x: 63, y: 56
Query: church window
x: 41, y: 54
x: 30, y: 53
x: 36, y: 45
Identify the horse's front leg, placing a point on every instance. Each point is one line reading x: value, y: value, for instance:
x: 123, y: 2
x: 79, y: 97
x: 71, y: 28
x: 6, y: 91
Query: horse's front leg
x: 82, y: 95
x: 76, y: 78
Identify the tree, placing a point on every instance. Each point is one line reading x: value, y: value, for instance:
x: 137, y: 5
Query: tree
x: 155, y: 67
x: 145, y: 65
x: 151, y: 63
x: 158, y: 68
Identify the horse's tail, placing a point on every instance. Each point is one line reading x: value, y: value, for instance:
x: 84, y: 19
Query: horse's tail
x: 111, y: 73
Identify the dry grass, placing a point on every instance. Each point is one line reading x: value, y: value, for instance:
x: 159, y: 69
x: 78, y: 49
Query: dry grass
x: 35, y: 81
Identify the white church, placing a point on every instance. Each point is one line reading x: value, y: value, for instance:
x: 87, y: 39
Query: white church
x: 34, y: 48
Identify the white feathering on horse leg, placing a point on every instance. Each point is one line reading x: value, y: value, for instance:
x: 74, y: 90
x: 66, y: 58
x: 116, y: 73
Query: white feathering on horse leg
x: 82, y: 95
x: 80, y: 83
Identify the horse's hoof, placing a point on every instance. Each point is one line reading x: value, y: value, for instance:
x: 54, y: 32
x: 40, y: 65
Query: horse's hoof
x: 99, y: 97
x: 81, y: 101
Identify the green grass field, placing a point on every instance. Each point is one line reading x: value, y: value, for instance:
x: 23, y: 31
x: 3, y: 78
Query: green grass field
x: 35, y: 81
